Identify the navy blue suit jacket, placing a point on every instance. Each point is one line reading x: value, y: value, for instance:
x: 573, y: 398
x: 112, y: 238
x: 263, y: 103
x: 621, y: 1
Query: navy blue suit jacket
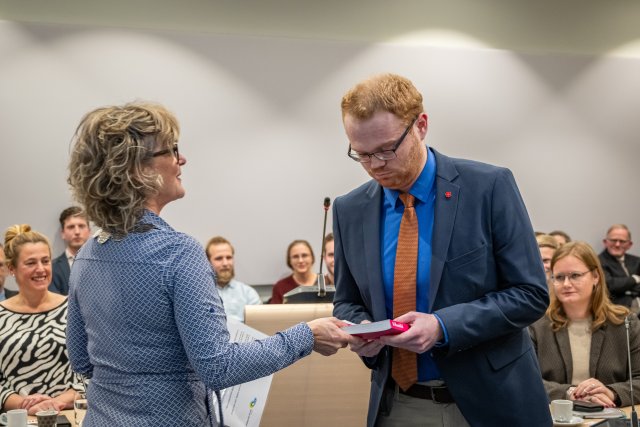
x: 617, y: 280
x: 487, y: 284
x: 8, y: 293
x: 61, y: 271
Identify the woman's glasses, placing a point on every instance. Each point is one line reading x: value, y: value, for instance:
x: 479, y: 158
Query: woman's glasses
x: 166, y: 151
x: 574, y: 277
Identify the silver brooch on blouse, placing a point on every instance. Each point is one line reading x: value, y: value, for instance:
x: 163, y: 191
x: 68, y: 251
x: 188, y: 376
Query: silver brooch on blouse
x: 102, y: 236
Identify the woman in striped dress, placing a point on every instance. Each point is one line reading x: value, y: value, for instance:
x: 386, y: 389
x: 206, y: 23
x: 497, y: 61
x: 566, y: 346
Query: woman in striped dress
x: 34, y: 365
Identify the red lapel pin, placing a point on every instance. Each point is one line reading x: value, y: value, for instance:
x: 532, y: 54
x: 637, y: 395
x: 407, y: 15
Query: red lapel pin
x: 447, y: 194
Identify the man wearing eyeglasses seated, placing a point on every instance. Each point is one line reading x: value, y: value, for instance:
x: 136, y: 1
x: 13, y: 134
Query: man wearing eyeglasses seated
x: 621, y: 270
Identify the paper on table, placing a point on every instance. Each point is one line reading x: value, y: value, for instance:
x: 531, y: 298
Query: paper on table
x: 243, y: 404
x: 605, y: 413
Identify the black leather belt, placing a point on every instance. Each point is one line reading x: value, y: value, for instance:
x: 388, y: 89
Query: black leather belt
x: 439, y: 394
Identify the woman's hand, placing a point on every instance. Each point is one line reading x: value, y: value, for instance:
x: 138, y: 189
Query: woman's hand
x: 594, y: 391
x: 46, y: 405
x: 602, y: 399
x: 328, y: 338
x: 33, y: 399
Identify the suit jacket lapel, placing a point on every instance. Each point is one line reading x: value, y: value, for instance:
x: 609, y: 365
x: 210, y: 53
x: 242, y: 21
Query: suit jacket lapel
x: 446, y: 206
x: 370, y: 209
x: 597, y: 340
x: 562, y: 338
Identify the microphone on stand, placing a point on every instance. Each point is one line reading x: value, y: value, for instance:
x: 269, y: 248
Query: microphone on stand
x: 319, y: 292
x: 322, y: 288
x: 634, y: 414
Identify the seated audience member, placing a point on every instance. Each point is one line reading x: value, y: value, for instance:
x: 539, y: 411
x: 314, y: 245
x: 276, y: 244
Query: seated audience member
x: 581, y: 341
x: 548, y: 246
x: 235, y: 295
x: 300, y: 259
x: 560, y: 236
x: 34, y: 368
x: 75, y: 231
x: 4, y: 293
x: 621, y: 270
x: 328, y: 258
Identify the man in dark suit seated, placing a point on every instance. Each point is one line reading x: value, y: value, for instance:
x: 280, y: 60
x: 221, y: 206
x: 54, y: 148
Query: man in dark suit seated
x: 445, y: 245
x: 4, y: 271
x: 75, y: 231
x: 621, y: 270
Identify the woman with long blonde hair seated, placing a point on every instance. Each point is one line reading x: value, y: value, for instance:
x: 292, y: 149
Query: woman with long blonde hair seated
x: 34, y: 365
x: 581, y: 341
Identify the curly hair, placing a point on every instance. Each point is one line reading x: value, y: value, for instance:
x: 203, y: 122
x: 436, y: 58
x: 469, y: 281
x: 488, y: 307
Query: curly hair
x: 108, y: 170
x: 18, y: 235
x: 602, y: 309
x: 384, y: 92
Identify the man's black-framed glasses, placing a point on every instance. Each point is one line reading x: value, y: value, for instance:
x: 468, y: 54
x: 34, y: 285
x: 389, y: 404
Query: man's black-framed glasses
x: 384, y: 155
x: 166, y: 151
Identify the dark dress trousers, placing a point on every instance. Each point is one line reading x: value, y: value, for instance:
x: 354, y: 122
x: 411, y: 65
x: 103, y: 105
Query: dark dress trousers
x: 487, y: 284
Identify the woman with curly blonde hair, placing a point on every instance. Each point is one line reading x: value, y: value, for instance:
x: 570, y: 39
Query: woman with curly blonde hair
x: 145, y: 320
x: 34, y: 365
x: 581, y: 341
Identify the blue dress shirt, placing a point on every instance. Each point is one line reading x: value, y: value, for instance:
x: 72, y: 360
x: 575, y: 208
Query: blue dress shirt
x: 392, y: 210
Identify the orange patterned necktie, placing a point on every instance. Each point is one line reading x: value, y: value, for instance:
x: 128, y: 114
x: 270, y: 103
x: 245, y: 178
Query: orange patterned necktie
x: 404, y: 368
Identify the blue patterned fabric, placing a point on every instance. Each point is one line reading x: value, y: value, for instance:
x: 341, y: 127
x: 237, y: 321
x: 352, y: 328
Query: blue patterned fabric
x: 147, y: 325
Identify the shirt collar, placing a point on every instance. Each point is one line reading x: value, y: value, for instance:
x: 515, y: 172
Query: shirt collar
x: 423, y: 185
x: 232, y: 285
x: 151, y: 218
x: 148, y: 221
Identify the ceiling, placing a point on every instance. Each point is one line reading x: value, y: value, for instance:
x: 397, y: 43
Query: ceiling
x: 577, y: 26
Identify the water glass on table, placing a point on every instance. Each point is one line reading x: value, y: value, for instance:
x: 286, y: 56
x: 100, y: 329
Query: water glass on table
x: 79, y: 408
